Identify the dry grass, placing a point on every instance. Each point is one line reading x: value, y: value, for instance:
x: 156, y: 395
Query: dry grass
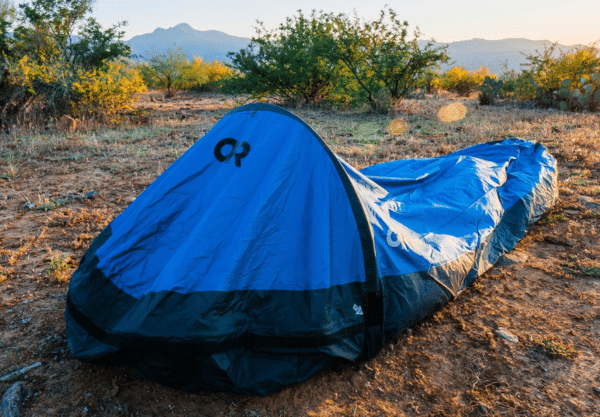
x: 451, y: 364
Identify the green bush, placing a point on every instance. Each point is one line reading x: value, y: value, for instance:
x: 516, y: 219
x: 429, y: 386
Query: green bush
x: 172, y: 71
x: 292, y: 61
x: 380, y: 56
x: 166, y: 71
x: 40, y: 65
x: 489, y: 90
x: 516, y: 85
x: 461, y: 81
x: 335, y: 57
x: 567, y: 80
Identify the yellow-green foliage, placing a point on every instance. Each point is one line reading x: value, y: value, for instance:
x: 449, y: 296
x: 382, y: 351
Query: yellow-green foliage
x: 204, y: 76
x: 549, y: 73
x: 462, y: 81
x: 106, y: 92
x: 569, y: 81
x: 32, y: 75
x: 172, y: 72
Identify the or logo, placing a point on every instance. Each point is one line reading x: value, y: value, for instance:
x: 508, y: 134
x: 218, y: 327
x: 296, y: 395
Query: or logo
x: 234, y: 153
x: 393, y: 242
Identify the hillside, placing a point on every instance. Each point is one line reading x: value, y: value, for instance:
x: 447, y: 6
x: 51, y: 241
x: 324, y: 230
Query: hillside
x: 209, y: 44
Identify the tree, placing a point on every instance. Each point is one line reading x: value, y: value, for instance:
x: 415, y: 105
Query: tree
x: 292, y: 61
x: 7, y: 18
x: 311, y: 58
x: 96, y: 46
x: 167, y: 71
x: 380, y: 57
x: 43, y: 63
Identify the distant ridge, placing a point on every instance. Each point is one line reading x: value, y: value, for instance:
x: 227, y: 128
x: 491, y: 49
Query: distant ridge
x: 209, y: 44
x: 496, y: 55
x: 214, y: 45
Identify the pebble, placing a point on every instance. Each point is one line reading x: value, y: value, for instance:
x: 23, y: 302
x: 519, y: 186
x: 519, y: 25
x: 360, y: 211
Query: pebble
x: 505, y: 334
x: 589, y: 203
x: 91, y: 195
x: 597, y: 390
x: 13, y: 399
x: 572, y: 212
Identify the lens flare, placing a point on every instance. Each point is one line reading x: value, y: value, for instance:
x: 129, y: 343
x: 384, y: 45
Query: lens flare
x: 452, y: 113
x: 397, y: 127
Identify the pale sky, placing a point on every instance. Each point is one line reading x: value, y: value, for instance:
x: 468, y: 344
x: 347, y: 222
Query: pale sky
x: 569, y: 22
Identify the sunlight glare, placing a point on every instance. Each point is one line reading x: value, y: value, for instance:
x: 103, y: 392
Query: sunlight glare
x: 452, y: 112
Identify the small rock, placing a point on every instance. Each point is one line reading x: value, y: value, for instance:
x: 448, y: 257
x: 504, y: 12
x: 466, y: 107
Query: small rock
x: 505, y: 334
x: 28, y: 205
x: 572, y: 212
x: 557, y: 241
x: 66, y: 124
x: 482, y: 408
x: 91, y: 195
x: 597, y: 390
x: 513, y: 258
x: 111, y: 392
x: 13, y: 399
x: 589, y: 203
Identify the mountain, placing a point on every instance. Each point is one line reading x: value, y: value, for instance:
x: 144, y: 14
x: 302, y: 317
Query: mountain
x: 497, y: 55
x: 214, y: 45
x: 209, y: 44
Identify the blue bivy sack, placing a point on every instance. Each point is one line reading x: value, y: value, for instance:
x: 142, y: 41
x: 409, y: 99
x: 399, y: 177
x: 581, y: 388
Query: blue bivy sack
x: 259, y: 257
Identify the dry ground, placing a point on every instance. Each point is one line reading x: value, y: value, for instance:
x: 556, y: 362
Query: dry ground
x: 58, y: 191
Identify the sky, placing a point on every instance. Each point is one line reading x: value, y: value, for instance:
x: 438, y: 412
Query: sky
x: 568, y: 22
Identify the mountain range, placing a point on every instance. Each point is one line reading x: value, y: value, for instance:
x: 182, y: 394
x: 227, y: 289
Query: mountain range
x: 496, y: 55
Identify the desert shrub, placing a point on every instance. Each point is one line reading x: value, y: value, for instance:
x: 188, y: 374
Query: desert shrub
x: 381, y: 57
x: 203, y: 76
x: 566, y: 80
x: 462, y: 81
x: 8, y: 15
x: 516, y: 86
x: 335, y: 57
x: 172, y: 72
x: 106, y: 92
x: 489, y: 90
x: 166, y: 71
x: 40, y: 64
x: 428, y: 80
x: 292, y: 61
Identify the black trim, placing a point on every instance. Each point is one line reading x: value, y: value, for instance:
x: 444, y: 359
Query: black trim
x: 204, y: 347
x: 373, y: 302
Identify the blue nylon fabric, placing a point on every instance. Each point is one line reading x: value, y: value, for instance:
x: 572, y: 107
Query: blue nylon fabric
x: 427, y: 213
x: 281, y: 220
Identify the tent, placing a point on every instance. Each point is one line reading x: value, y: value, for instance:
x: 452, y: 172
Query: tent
x: 259, y: 256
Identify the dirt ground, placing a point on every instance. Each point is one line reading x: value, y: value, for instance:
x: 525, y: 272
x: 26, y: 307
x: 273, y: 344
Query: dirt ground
x: 58, y: 191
